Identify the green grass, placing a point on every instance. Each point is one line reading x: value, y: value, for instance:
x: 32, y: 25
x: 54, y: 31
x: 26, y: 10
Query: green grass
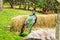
x: 5, y: 20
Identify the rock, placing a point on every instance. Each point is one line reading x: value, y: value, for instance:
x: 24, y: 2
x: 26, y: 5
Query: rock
x: 42, y: 34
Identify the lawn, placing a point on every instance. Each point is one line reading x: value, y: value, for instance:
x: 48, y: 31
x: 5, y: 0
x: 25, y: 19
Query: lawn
x: 5, y: 19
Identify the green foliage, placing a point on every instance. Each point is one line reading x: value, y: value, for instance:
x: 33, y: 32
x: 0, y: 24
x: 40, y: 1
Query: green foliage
x: 52, y: 5
x: 41, y: 3
x: 5, y: 1
x: 44, y: 4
